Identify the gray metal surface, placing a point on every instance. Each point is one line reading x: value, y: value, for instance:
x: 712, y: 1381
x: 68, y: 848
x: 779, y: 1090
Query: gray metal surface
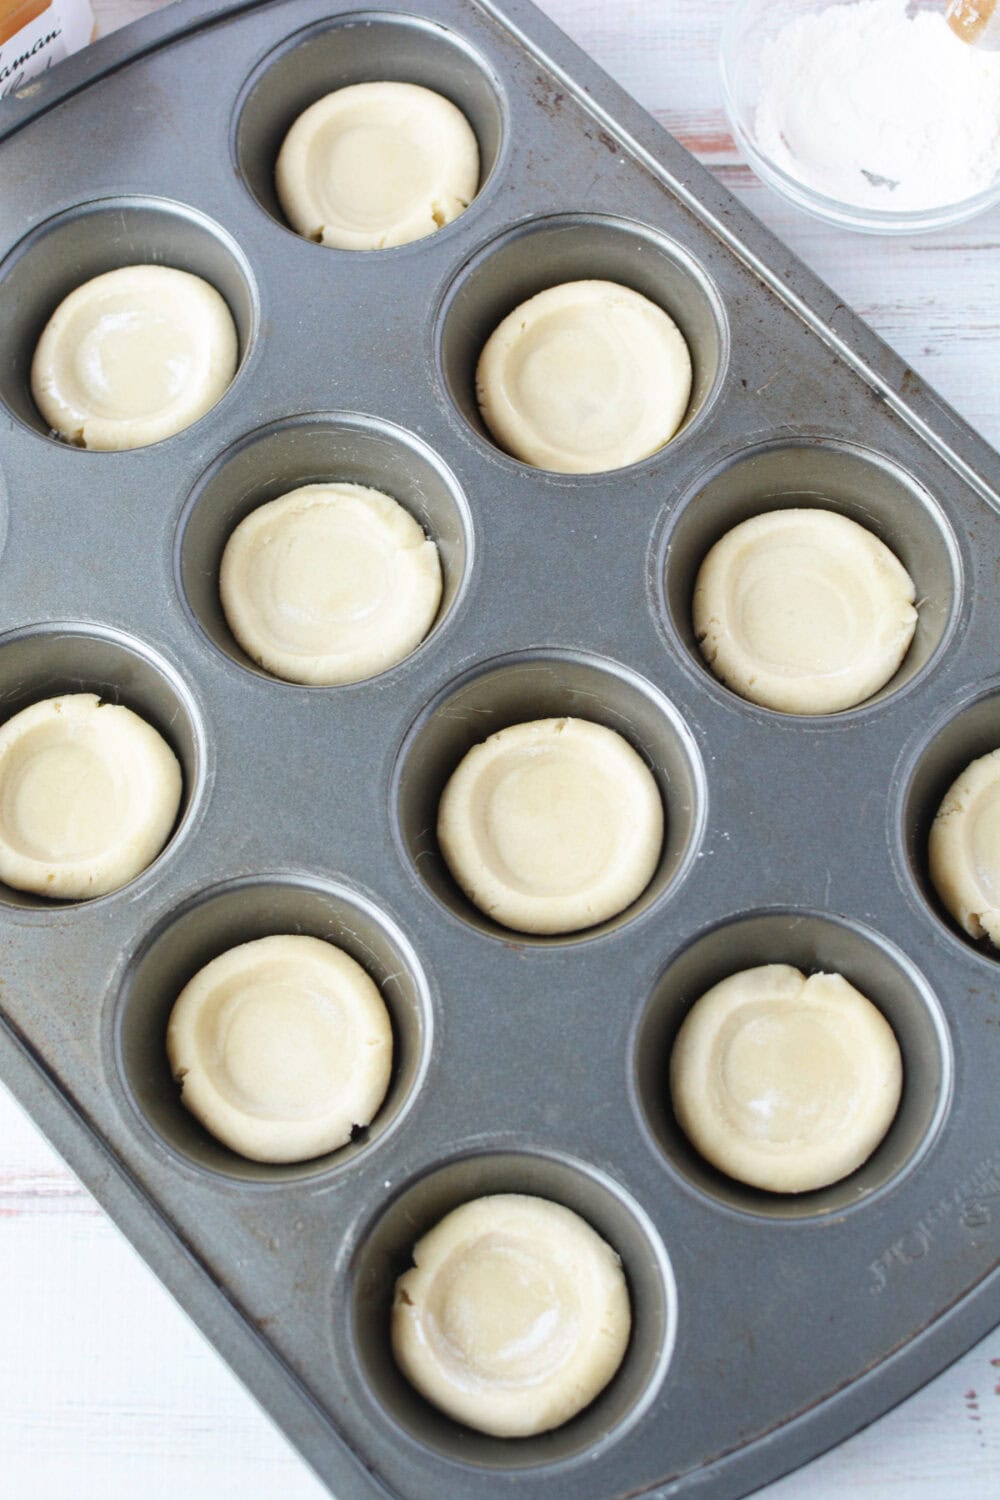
x: 764, y: 1328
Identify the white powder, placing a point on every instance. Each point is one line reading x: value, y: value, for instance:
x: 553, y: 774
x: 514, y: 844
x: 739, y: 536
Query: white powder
x: 880, y: 108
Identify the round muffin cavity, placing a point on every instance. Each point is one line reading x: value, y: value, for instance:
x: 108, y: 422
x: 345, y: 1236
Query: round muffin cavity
x: 964, y: 849
x: 89, y: 794
x: 282, y: 1047
x: 377, y: 164
x: 552, y: 826
x: 803, y: 611
x: 785, y: 1082
x: 584, y: 377
x: 133, y: 356
x: 330, y: 584
x: 514, y: 1317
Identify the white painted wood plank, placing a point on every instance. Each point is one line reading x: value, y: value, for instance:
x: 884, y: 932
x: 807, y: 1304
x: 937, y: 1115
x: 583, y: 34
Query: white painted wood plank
x: 107, y: 1391
x: 105, y: 1388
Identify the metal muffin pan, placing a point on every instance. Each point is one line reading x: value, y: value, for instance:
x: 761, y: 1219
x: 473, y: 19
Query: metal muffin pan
x: 765, y: 1328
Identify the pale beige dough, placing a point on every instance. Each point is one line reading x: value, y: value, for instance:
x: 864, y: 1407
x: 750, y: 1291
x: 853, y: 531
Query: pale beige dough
x: 803, y: 611
x: 281, y: 1047
x: 584, y: 377
x: 377, y: 164
x: 89, y: 794
x: 514, y: 1317
x: 964, y: 849
x: 133, y: 356
x: 552, y: 826
x: 329, y: 584
x: 784, y: 1082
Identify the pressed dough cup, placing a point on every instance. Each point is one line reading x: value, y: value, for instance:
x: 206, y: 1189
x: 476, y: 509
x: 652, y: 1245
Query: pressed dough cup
x: 282, y: 1047
x: 552, y: 826
x: 803, y: 611
x: 784, y: 1082
x: 584, y: 377
x: 133, y: 356
x: 89, y: 794
x: 374, y: 165
x: 964, y: 849
x: 329, y: 584
x: 514, y: 1316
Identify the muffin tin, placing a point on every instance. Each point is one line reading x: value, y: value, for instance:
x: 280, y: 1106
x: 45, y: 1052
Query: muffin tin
x: 765, y: 1328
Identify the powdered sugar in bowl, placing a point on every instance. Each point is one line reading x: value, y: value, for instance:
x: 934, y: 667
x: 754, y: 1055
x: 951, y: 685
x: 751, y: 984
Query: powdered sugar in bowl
x: 868, y: 113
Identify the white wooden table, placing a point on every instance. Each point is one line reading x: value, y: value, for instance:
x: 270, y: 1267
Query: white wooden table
x: 105, y: 1389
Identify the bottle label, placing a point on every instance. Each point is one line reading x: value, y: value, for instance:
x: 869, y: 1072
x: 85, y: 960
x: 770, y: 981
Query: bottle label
x: 51, y: 33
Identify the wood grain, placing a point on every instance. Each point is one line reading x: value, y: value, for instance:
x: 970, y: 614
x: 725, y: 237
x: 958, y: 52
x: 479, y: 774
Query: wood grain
x: 105, y: 1389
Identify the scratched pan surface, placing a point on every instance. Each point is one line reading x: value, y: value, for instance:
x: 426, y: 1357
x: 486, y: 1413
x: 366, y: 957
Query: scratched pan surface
x: 765, y: 1329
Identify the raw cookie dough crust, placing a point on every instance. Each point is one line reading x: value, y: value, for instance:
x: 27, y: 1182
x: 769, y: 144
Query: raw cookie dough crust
x: 282, y: 1046
x: 375, y: 165
x: 89, y: 794
x: 784, y: 1082
x: 964, y: 849
x: 803, y: 611
x: 133, y: 356
x: 329, y: 584
x: 552, y: 826
x: 514, y: 1317
x: 584, y: 377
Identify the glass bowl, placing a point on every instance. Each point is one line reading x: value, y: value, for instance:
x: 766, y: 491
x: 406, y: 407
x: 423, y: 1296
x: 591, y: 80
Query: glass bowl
x: 751, y: 24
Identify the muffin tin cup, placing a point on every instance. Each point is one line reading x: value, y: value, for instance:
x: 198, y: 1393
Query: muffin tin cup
x: 363, y: 46
x: 816, y: 473
x: 528, y: 1064
x: 211, y: 923
x: 546, y: 685
x: 92, y: 237
x: 383, y: 1252
x: 816, y: 943
x: 546, y: 252
x: 54, y: 659
x: 316, y: 448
